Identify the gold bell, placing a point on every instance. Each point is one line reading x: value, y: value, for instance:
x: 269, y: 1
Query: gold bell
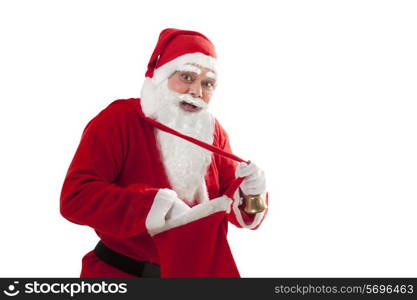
x: 254, y: 203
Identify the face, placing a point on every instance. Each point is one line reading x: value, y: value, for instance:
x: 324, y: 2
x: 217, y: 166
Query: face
x: 194, y: 80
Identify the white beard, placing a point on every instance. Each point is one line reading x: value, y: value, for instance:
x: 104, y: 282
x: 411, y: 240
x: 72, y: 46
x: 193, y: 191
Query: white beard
x: 185, y: 163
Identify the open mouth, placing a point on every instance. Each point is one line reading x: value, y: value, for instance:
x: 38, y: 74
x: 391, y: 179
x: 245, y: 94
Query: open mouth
x: 189, y: 107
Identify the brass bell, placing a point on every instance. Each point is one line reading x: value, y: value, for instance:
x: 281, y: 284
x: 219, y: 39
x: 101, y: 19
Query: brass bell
x: 254, y: 203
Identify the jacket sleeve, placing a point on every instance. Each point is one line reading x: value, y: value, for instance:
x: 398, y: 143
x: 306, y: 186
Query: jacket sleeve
x: 89, y: 195
x: 237, y: 216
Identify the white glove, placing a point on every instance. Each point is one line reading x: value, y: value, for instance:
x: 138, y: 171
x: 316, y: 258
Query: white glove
x: 178, y: 208
x: 254, y: 183
x: 164, y: 200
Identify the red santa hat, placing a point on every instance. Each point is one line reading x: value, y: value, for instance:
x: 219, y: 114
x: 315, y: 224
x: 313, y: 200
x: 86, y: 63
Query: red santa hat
x: 176, y: 48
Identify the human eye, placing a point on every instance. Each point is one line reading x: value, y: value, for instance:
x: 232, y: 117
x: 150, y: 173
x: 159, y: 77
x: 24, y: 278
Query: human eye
x: 186, y: 76
x: 209, y: 84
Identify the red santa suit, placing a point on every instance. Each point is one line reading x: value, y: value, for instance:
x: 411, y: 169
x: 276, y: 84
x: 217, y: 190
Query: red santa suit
x: 111, y: 185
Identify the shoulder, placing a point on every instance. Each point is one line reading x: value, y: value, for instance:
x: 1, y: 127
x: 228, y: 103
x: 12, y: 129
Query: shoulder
x: 122, y: 106
x: 115, y: 115
x: 118, y: 110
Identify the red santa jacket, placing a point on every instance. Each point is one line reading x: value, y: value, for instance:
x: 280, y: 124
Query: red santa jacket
x: 117, y: 171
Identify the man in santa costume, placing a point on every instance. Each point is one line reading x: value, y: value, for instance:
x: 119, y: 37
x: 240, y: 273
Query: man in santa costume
x: 152, y: 176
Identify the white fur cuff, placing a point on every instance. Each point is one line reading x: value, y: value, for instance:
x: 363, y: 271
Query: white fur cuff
x: 162, y: 203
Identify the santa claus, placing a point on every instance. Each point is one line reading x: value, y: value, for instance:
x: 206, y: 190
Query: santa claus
x: 155, y: 177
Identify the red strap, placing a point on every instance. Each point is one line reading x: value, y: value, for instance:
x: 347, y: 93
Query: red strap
x: 188, y: 138
x: 235, y: 184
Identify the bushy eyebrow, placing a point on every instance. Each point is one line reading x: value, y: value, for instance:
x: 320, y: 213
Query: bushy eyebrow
x: 211, y: 75
x: 189, y: 68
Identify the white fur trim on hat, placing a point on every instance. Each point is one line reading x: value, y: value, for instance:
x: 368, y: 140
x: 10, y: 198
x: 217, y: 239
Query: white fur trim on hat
x: 170, y: 67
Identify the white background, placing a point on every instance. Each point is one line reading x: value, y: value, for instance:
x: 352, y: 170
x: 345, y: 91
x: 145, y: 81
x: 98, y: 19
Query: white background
x: 321, y: 94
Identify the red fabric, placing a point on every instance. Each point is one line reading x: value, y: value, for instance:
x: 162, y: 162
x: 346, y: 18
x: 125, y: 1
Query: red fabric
x: 173, y: 43
x: 181, y: 256
x: 114, y: 176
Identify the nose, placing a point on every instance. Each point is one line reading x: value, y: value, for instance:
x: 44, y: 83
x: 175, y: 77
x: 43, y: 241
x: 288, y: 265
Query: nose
x: 195, y: 89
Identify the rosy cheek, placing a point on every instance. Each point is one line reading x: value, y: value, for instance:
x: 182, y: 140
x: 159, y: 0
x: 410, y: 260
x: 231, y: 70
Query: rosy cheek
x: 207, y: 96
x: 177, y: 86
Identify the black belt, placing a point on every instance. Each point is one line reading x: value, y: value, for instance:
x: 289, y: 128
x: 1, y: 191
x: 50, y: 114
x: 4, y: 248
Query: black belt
x: 125, y: 263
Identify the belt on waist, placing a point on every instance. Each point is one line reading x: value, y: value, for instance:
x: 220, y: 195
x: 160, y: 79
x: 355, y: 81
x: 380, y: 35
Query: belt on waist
x: 125, y: 263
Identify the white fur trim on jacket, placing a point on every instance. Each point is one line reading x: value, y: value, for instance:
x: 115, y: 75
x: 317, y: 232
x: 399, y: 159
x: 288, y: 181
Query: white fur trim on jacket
x: 197, y: 212
x: 258, y: 218
x: 170, y: 67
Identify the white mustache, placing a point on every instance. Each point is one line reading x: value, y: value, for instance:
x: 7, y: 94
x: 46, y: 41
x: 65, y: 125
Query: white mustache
x: 190, y: 99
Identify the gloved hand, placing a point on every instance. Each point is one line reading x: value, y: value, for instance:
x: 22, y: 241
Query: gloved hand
x: 178, y: 208
x: 254, y: 183
x: 165, y: 201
